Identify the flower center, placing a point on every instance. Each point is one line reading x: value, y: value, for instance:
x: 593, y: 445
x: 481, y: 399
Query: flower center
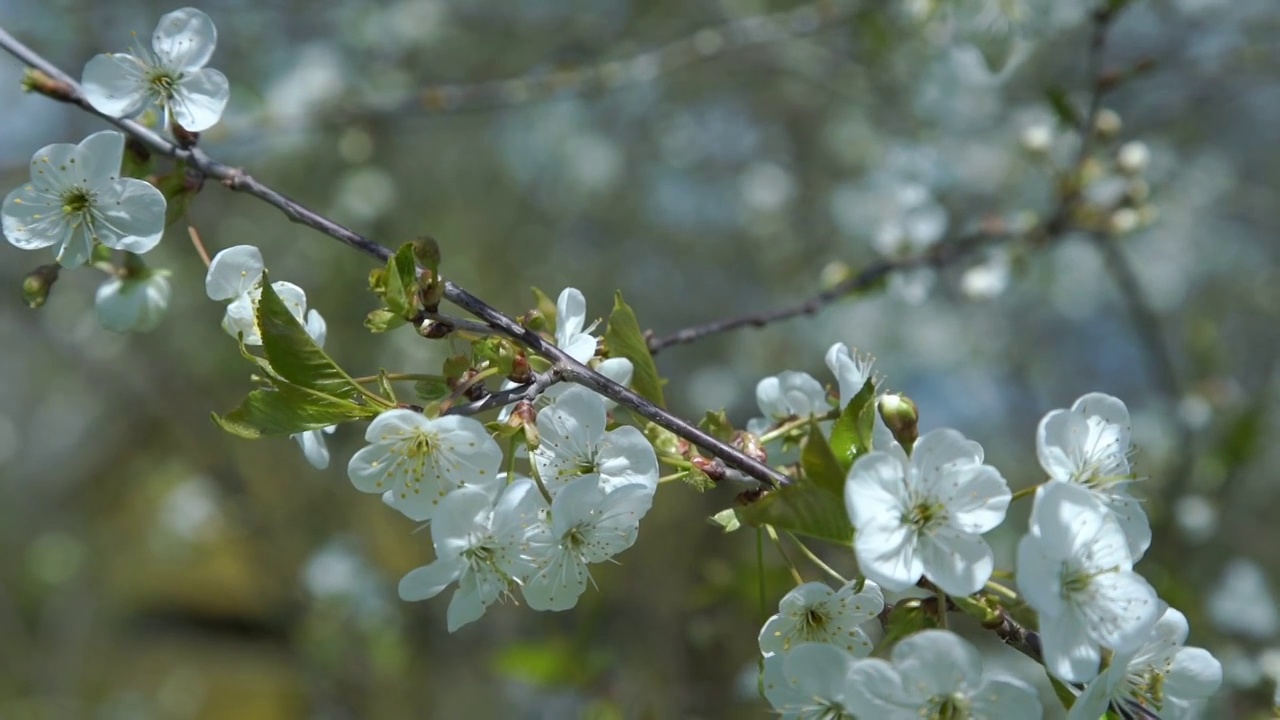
x: 925, y: 514
x: 163, y: 82
x: 952, y: 707
x: 76, y: 201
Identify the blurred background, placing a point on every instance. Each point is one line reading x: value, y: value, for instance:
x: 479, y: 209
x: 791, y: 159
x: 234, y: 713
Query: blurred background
x: 707, y: 158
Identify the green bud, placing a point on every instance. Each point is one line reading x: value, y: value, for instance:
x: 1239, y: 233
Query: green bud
x: 901, y: 417
x: 37, y: 284
x: 427, y: 252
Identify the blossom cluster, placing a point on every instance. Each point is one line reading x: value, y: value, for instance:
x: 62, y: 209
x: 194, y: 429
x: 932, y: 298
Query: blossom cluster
x: 919, y: 509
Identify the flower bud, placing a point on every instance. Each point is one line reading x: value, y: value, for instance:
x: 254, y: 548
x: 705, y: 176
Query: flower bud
x: 521, y: 372
x: 750, y: 446
x: 1108, y: 123
x: 37, y: 284
x: 434, y: 329
x: 1133, y: 156
x: 901, y: 417
x: 711, y: 467
x: 1037, y: 138
x: 36, y: 81
x: 533, y: 320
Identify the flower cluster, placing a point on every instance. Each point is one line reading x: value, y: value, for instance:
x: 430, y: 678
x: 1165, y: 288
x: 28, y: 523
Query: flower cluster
x: 493, y: 532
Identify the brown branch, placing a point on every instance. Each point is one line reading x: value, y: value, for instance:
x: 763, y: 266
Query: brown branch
x: 68, y: 90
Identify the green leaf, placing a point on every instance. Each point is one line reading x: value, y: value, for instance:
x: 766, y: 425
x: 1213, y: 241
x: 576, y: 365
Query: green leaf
x: 287, y: 409
x: 546, y: 307
x: 456, y: 365
x: 384, y: 385
x: 820, y: 466
x: 431, y: 389
x: 726, y: 520
x: 1062, y: 107
x: 803, y: 508
x: 382, y: 320
x: 851, y: 435
x: 717, y: 425
x: 293, y: 355
x: 402, y: 282
x: 625, y: 340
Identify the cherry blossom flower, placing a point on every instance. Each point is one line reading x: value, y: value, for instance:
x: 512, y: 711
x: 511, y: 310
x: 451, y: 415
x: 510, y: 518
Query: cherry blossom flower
x: 574, y: 444
x: 1075, y: 570
x: 1089, y: 445
x: 172, y: 75
x: 787, y: 395
x: 235, y: 274
x: 812, y: 682
x: 925, y: 515
x: 586, y: 525
x: 76, y: 198
x: 1160, y: 678
x: 936, y: 674
x: 480, y: 545
x: 415, y: 461
x: 133, y: 303
x: 813, y: 612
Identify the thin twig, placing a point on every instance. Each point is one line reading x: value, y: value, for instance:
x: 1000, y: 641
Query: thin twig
x: 237, y: 179
x: 526, y: 391
x: 705, y: 44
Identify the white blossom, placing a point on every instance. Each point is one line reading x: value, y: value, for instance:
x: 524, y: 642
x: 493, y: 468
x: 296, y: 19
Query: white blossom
x: 586, y: 525
x: 852, y: 371
x: 574, y: 444
x: 480, y: 545
x: 133, y: 304
x: 572, y: 334
x: 1075, y: 571
x: 936, y: 674
x: 1161, y: 678
x: 1089, y: 445
x: 76, y: 198
x: 925, y: 515
x: 172, y: 75
x: 813, y: 612
x: 788, y: 394
x: 314, y: 447
x: 235, y: 274
x: 812, y: 682
x: 415, y: 461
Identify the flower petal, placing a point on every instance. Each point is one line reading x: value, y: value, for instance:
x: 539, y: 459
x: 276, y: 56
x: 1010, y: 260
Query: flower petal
x: 1195, y: 674
x: 1123, y: 608
x: 1070, y: 654
x: 977, y: 501
x: 427, y: 581
x: 887, y: 554
x: 98, y: 159
x: 184, y: 39
x: 937, y: 662
x: 128, y: 215
x: 33, y: 219
x: 626, y: 458
x: 115, y: 84
x: 198, y: 101
x: 956, y: 561
x: 314, y: 448
x: 1006, y: 699
x: 233, y: 272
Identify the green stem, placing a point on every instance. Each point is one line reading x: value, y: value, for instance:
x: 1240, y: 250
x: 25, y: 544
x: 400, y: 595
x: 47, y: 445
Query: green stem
x: 795, y: 572
x: 673, y: 477
x: 813, y: 558
x: 537, y: 478
x: 794, y: 424
x: 395, y: 377
x: 1025, y: 492
x: 1000, y: 589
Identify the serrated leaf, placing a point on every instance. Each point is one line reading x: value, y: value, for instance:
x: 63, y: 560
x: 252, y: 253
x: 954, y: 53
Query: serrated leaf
x: 851, y: 435
x: 382, y: 320
x: 727, y: 520
x: 820, y: 465
x: 626, y: 340
x: 402, y: 282
x: 293, y: 355
x: 287, y: 409
x: 433, y: 388
x: 804, y: 509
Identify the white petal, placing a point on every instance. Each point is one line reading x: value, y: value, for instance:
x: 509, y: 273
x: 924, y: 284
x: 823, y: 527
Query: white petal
x: 316, y: 327
x: 133, y: 305
x: 427, y: 581
x: 1074, y: 524
x: 233, y: 272
x: 314, y: 448
x: 977, y: 502
x: 820, y: 670
x: 98, y: 159
x: 239, y: 319
x: 33, y: 219
x: 887, y: 554
x: 466, y: 606
x: 1069, y: 653
x: 128, y: 215
x: 557, y: 585
x: 1040, y: 577
x: 875, y: 488
x: 199, y: 100
x: 1060, y: 437
x: 184, y: 39
x: 851, y: 373
x: 1122, y: 610
x: 1006, y: 699
x: 1092, y: 703
x: 627, y: 458
x: 293, y: 297
x: 571, y: 314
x: 957, y: 562
x: 1195, y: 674
x: 1133, y: 521
x: 463, y: 517
x: 937, y: 662
x: 1110, y: 409
x: 115, y: 84
x: 940, y: 450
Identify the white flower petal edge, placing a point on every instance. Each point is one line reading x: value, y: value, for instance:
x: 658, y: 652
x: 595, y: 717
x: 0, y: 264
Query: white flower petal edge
x: 314, y: 447
x: 171, y: 75
x: 812, y: 682
x: 233, y: 272
x: 1162, y: 677
x: 1089, y: 445
x: 420, y: 460
x: 786, y: 395
x: 1075, y: 570
x: 813, y: 612
x: 571, y: 318
x: 925, y: 515
x: 76, y: 198
x: 574, y: 444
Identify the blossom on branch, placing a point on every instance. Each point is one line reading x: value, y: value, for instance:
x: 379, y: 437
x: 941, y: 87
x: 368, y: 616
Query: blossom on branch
x: 815, y: 681
x: 480, y: 545
x: 925, y: 515
x: 172, y: 75
x: 76, y: 198
x: 1160, y: 678
x: 1088, y: 445
x: 235, y: 274
x: 787, y: 395
x: 415, y: 461
x: 813, y: 612
x: 1075, y: 570
x: 574, y: 444
x: 127, y: 304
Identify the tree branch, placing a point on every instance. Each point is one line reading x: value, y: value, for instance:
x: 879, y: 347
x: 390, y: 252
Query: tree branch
x: 69, y: 90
